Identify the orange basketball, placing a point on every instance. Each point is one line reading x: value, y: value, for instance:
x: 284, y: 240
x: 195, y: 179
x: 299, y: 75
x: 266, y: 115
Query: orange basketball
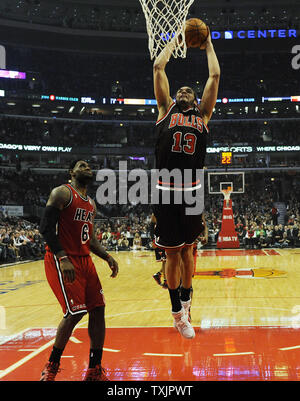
x: 196, y: 32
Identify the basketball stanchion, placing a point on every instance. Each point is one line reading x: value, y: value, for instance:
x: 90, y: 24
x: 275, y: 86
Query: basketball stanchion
x: 227, y: 236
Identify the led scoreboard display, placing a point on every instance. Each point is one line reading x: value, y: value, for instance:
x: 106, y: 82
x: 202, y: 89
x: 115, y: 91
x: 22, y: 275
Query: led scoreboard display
x: 226, y: 158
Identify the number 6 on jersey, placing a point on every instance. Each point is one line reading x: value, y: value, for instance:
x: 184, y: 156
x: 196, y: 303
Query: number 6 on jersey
x: 85, y: 233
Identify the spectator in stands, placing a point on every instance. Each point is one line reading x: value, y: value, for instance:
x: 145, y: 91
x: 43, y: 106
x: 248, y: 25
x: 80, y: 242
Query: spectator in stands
x: 10, y: 249
x: 38, y: 243
x: 13, y: 249
x: 3, y: 248
x: 275, y: 215
x: 284, y: 241
x: 269, y: 239
x: 123, y: 243
x: 260, y: 235
x: 22, y: 245
x: 250, y: 238
x: 296, y: 234
x: 241, y: 233
x: 137, y: 242
x: 277, y: 236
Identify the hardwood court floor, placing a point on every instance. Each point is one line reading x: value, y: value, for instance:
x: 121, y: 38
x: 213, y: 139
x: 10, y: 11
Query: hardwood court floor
x: 246, y: 314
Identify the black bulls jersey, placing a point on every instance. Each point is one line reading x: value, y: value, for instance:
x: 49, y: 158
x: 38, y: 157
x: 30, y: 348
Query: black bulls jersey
x: 181, y: 140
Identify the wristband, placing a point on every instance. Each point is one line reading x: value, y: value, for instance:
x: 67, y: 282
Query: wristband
x: 62, y: 257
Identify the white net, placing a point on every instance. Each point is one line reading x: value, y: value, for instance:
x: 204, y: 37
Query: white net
x: 226, y: 193
x: 165, y: 20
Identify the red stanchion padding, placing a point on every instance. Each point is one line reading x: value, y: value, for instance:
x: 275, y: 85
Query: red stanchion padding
x: 227, y: 236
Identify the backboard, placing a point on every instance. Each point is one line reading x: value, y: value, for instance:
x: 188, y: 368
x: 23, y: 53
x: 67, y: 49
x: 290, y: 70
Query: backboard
x: 217, y: 182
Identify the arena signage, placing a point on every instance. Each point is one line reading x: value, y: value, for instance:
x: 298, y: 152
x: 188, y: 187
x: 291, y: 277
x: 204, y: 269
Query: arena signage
x: 35, y: 148
x: 12, y: 74
x: 255, y: 34
x: 252, y: 149
x: 61, y: 98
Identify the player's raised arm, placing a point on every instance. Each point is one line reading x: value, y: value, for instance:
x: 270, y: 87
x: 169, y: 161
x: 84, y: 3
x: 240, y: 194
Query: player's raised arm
x: 160, y: 79
x: 210, y: 92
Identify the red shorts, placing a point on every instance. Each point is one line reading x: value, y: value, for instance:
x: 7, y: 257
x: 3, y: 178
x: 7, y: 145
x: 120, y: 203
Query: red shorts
x: 84, y: 294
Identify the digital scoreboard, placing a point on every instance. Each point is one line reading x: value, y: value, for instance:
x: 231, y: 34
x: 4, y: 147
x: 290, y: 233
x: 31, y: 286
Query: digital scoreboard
x: 226, y: 158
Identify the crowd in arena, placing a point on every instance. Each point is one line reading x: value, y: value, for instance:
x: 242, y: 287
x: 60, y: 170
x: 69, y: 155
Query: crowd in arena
x: 138, y: 140
x: 20, y: 240
x: 128, y: 228
x: 61, y: 73
x: 82, y: 134
x: 130, y: 18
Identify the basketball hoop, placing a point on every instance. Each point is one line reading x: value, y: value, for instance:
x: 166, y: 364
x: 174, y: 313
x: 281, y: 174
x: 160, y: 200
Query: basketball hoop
x: 226, y: 193
x: 165, y: 20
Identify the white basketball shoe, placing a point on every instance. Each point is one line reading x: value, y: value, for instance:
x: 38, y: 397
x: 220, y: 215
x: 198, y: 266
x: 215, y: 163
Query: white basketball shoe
x: 187, y: 308
x: 182, y: 324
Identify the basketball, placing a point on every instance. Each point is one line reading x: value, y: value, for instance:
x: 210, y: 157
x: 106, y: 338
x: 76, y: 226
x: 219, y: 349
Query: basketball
x: 196, y: 32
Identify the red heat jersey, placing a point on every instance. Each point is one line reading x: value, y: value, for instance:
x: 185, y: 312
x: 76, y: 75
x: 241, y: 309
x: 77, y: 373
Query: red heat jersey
x: 75, y: 224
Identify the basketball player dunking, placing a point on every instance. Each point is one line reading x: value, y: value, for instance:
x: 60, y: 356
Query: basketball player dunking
x: 181, y: 144
x: 68, y: 228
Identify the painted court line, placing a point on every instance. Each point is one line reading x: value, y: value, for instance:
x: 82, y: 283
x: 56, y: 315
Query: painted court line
x: 235, y: 353
x: 152, y: 354
x: 111, y: 350
x: 25, y: 359
x: 288, y: 348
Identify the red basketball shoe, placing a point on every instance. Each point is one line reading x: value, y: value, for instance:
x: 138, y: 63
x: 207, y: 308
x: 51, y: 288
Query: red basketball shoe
x: 50, y: 371
x: 96, y: 374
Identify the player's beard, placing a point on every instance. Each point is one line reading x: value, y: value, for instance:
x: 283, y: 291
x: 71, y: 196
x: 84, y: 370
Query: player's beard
x: 84, y: 180
x: 183, y: 104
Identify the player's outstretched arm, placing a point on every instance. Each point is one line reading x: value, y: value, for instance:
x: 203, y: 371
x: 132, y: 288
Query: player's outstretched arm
x: 210, y: 92
x: 160, y: 79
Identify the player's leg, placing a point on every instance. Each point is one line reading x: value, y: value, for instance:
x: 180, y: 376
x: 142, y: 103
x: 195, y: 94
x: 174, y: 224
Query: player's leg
x: 168, y: 235
x: 96, y: 330
x: 192, y: 226
x: 70, y: 299
x: 96, y: 325
x: 157, y: 275
x: 173, y: 277
x: 163, y: 272
x: 187, y: 271
x: 64, y: 331
x: 180, y: 316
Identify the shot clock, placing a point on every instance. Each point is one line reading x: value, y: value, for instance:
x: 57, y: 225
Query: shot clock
x: 226, y: 158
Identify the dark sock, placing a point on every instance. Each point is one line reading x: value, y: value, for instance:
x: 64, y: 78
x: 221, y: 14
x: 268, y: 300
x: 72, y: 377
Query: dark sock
x: 56, y: 355
x: 175, y: 300
x: 185, y: 294
x: 95, y: 357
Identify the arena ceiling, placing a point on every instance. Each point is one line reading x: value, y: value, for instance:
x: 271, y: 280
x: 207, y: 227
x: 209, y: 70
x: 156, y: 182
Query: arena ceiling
x: 117, y: 26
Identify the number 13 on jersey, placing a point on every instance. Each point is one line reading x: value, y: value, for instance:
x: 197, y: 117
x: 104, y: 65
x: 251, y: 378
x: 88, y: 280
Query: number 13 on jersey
x: 184, y: 143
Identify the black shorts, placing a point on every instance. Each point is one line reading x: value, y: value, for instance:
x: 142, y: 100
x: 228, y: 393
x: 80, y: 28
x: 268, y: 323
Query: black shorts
x: 174, y: 228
